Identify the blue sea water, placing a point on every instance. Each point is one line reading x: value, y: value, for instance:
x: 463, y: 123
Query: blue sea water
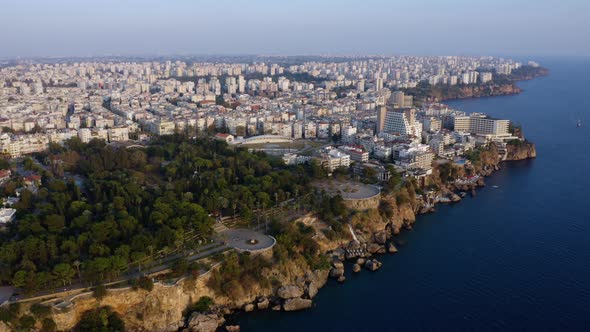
x: 515, y: 257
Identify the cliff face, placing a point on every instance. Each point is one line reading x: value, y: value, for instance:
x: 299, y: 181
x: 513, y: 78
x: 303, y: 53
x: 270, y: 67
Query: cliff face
x: 162, y: 309
x: 403, y: 214
x: 520, y: 151
x: 438, y: 93
x: 158, y: 310
x: 4, y: 327
x: 476, y: 91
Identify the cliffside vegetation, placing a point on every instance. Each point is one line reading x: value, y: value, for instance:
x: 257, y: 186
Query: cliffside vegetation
x: 425, y: 92
x: 484, y: 157
x: 239, y: 274
x: 102, y: 319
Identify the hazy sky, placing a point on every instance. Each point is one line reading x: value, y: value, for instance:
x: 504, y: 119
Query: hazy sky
x: 416, y: 27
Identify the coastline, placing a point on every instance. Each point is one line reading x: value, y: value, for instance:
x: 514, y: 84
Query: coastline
x: 162, y: 309
x: 503, y: 86
x: 379, y: 237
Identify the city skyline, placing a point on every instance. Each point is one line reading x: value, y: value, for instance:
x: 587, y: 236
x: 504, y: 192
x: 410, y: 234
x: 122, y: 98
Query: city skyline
x: 67, y: 28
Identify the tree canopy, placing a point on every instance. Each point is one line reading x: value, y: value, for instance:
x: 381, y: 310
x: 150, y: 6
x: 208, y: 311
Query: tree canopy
x: 132, y: 205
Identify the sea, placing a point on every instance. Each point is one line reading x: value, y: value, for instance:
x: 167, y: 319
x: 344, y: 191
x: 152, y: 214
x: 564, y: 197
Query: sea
x: 516, y: 257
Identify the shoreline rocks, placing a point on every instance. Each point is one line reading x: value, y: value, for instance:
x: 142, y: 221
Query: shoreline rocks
x: 297, y: 304
x: 356, y: 268
x: 336, y: 273
x: 262, y: 303
x: 373, y: 265
x: 391, y: 248
x: 289, y: 292
x: 199, y: 322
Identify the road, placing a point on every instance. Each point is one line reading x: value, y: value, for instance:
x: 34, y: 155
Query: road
x: 204, y: 251
x: 76, y: 288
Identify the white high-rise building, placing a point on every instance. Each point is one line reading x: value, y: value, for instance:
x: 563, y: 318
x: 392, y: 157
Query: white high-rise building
x: 378, y: 84
x: 485, y: 77
x: 241, y: 84
x: 481, y: 124
x: 402, y: 122
x: 348, y: 134
x: 360, y: 86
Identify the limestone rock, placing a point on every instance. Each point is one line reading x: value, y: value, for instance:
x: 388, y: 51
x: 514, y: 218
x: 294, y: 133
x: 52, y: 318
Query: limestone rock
x: 336, y: 273
x: 372, y: 265
x: 262, y: 303
x: 300, y: 281
x: 276, y: 307
x: 341, y: 279
x: 380, y: 237
x: 338, y: 265
x: 373, y: 248
x: 317, y: 277
x: 338, y: 254
x: 232, y: 328
x: 289, y: 292
x: 297, y: 304
x: 199, y: 322
x: 356, y: 268
x: 361, y: 261
x: 4, y: 327
x: 391, y: 248
x: 249, y: 307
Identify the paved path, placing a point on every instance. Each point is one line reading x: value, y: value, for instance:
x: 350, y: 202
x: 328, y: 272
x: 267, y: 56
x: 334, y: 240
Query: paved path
x: 5, y: 293
x: 204, y: 251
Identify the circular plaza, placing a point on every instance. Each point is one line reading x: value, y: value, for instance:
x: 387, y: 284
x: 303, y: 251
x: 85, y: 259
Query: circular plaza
x: 247, y: 240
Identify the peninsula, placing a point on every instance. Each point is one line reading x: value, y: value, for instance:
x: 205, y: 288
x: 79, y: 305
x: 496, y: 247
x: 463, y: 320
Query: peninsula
x: 499, y: 85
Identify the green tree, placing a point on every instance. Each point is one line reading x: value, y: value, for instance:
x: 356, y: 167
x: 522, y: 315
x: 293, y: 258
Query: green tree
x: 204, y: 304
x: 48, y: 325
x: 26, y: 322
x: 103, y: 319
x: 20, y: 279
x: 145, y: 283
x: 40, y: 311
x: 99, y: 292
x: 63, y: 273
x: 55, y: 223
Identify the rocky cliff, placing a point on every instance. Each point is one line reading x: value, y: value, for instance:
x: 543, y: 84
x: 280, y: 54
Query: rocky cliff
x: 163, y: 308
x: 520, y: 151
x: 476, y: 91
x: 294, y: 282
x: 158, y: 310
x: 438, y: 93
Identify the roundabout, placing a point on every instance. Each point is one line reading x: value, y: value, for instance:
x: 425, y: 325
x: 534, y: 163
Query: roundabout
x: 247, y: 240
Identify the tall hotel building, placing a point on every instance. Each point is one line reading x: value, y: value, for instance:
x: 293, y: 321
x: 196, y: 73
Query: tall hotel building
x: 396, y: 121
x: 480, y: 124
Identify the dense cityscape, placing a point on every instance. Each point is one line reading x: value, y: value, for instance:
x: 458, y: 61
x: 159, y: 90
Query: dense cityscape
x: 119, y: 101
x: 227, y: 166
